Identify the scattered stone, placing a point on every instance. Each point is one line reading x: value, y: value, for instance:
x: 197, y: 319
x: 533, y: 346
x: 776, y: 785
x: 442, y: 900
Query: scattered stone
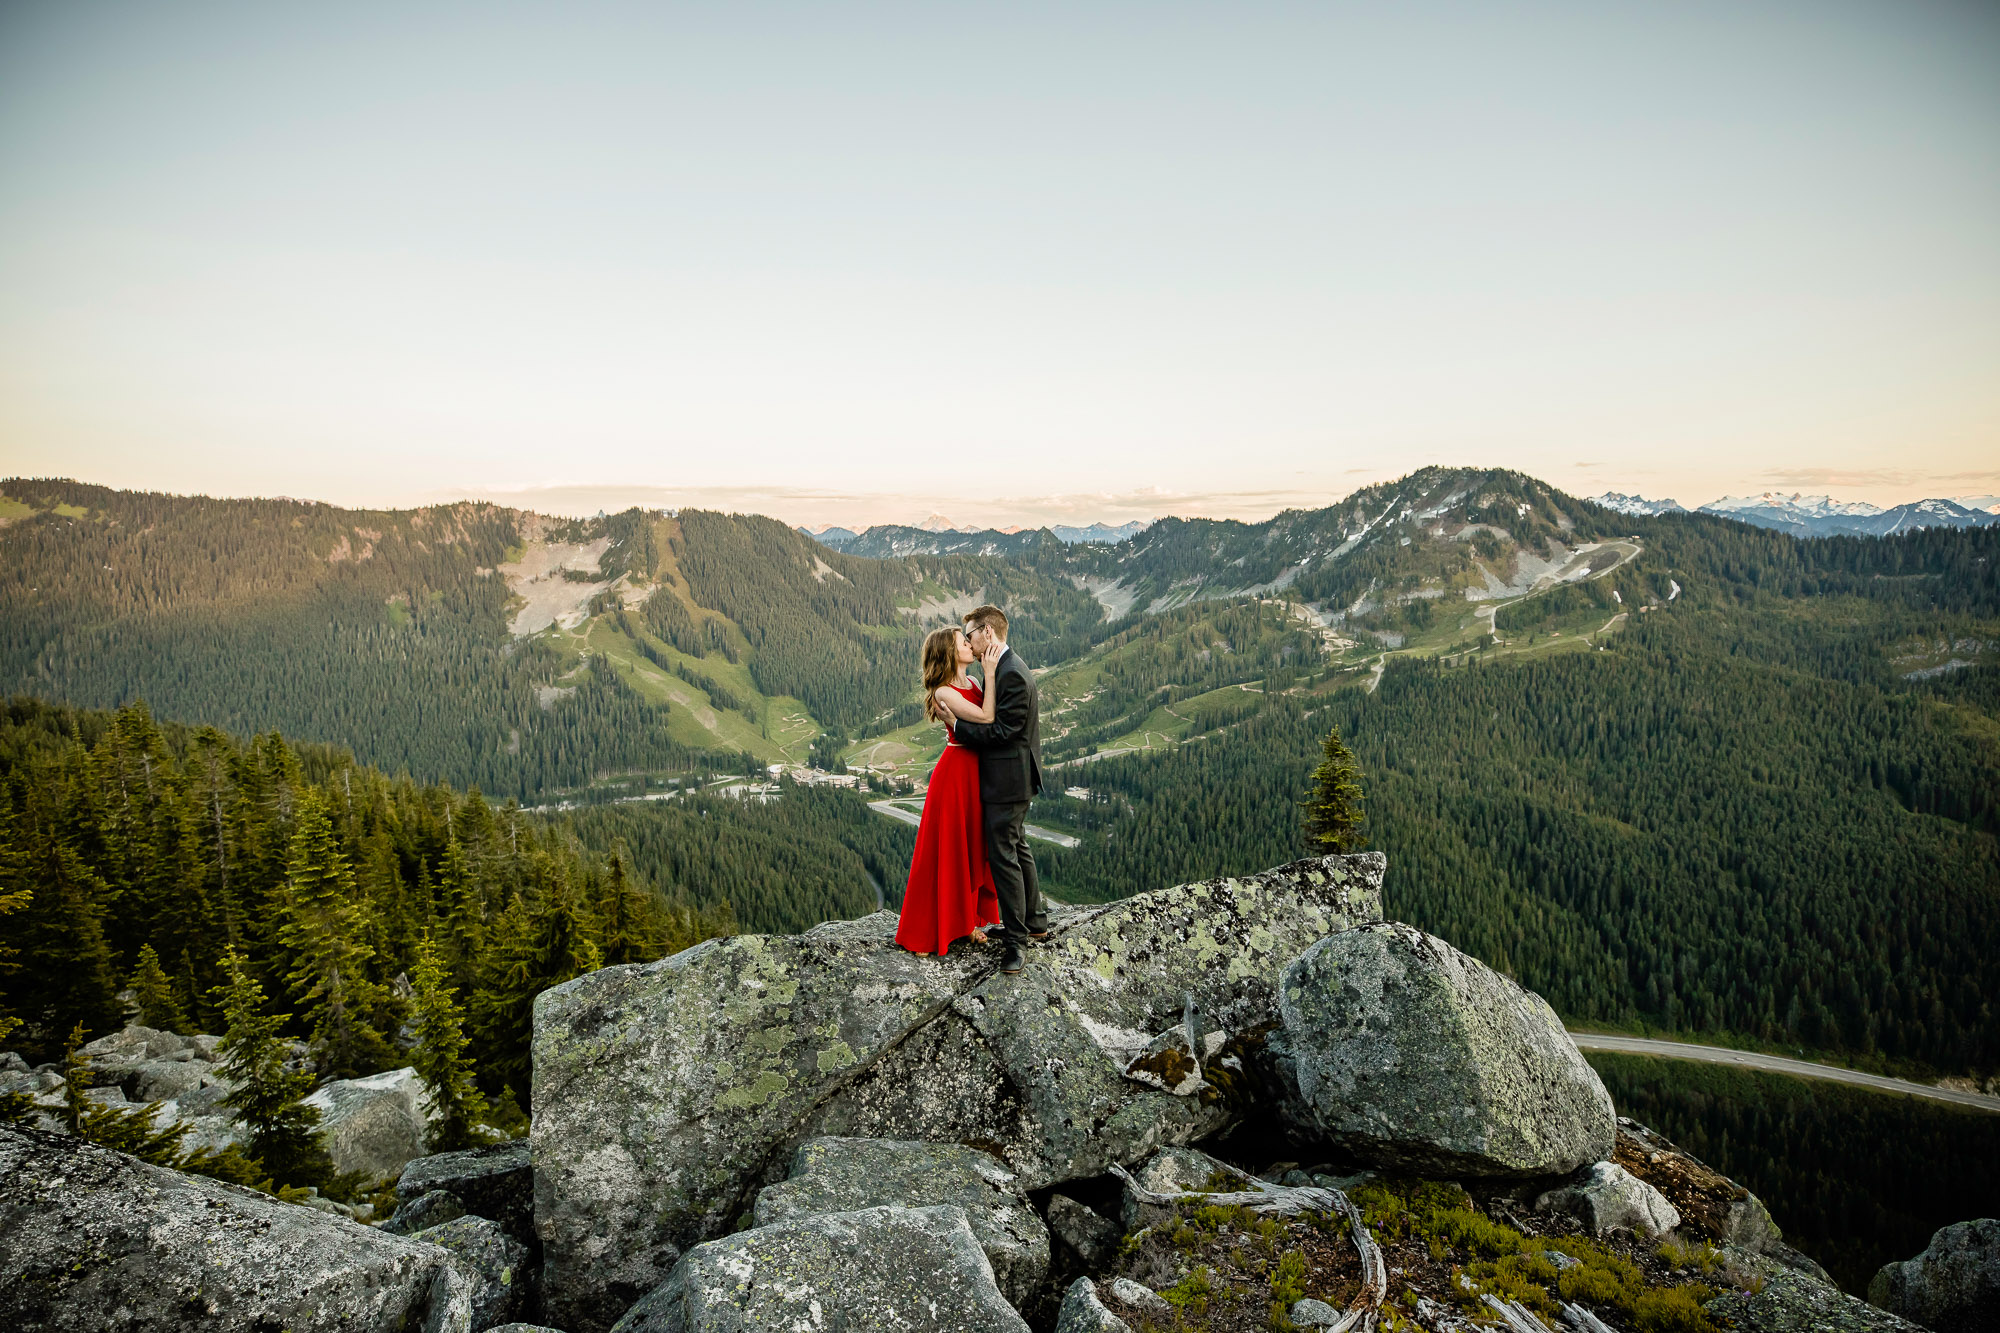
x: 666, y: 1093
x: 914, y: 1269
x: 423, y: 1212
x: 835, y: 1175
x: 1173, y: 1170
x: 165, y: 1080
x: 496, y: 1182
x: 1082, y: 1312
x: 493, y: 1261
x: 373, y: 1125
x: 1309, y: 1313
x: 1140, y: 1297
x: 523, y: 1328
x: 1609, y: 1198
x: 1953, y: 1284
x: 1089, y: 1234
x: 91, y: 1238
x: 1413, y: 1055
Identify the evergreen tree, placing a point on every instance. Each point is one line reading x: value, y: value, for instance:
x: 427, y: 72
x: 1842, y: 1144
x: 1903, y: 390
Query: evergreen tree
x: 537, y: 944
x: 633, y: 931
x: 324, y: 930
x: 1333, y: 808
x: 71, y: 981
x: 158, y: 1008
x: 268, y: 1097
x: 453, y: 1098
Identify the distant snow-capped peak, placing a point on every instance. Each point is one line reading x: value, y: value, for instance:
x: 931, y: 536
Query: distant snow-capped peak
x: 1635, y: 504
x: 1804, y: 506
x: 1985, y: 504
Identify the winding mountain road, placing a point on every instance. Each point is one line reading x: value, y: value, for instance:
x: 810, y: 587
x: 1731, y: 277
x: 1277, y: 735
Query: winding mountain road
x: 1777, y: 1064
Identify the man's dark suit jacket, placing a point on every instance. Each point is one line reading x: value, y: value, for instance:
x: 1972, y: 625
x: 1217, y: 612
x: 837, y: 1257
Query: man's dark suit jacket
x: 1009, y: 747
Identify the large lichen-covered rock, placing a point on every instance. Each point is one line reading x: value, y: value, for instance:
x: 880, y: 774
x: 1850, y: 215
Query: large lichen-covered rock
x: 374, y: 1125
x: 1413, y: 1055
x: 835, y: 1175
x: 494, y: 1263
x: 663, y: 1092
x: 1770, y: 1297
x: 1953, y: 1284
x: 666, y: 1094
x: 497, y: 1182
x: 1032, y: 1067
x: 91, y: 1239
x: 894, y: 1269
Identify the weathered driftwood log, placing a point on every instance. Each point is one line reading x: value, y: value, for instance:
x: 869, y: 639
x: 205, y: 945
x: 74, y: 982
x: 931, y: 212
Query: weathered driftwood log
x: 1289, y: 1201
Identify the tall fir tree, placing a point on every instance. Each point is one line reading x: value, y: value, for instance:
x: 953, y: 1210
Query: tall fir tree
x: 71, y: 981
x: 540, y: 941
x: 633, y: 929
x: 1333, y: 815
x: 452, y: 1096
x: 154, y: 994
x: 324, y: 930
x: 268, y: 1098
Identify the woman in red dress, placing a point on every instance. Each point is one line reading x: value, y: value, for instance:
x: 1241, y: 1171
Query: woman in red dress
x: 950, y: 893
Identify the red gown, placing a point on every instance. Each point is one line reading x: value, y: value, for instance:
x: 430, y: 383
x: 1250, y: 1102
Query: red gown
x: 950, y: 893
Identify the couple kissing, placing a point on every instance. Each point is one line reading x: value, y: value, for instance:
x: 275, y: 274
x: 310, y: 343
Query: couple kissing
x: 972, y: 868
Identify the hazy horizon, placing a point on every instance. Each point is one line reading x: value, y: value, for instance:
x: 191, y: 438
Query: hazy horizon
x: 1052, y: 265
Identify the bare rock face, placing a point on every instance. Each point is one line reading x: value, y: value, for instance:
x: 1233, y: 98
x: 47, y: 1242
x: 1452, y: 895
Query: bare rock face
x: 900, y: 1270
x: 1412, y: 1055
x: 844, y: 1175
x: 374, y: 1125
x: 1953, y: 1284
x: 91, y: 1239
x: 665, y: 1095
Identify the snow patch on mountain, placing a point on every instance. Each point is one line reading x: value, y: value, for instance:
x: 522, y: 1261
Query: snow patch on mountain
x: 1636, y: 504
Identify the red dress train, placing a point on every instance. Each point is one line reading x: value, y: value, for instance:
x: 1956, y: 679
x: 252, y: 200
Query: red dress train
x: 950, y: 892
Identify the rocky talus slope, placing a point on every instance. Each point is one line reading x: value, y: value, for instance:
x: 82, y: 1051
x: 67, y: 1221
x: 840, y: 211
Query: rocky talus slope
x: 1249, y: 1103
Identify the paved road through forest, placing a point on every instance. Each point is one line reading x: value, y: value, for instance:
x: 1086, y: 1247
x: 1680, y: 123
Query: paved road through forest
x: 1777, y: 1064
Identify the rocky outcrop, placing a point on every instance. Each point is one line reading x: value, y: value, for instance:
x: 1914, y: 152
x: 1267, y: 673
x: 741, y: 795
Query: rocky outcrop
x: 845, y: 1175
x: 1609, y: 1198
x: 374, y: 1125
x: 1954, y: 1284
x: 666, y: 1094
x: 423, y: 1212
x: 1412, y: 1055
x: 92, y: 1240
x: 889, y: 1268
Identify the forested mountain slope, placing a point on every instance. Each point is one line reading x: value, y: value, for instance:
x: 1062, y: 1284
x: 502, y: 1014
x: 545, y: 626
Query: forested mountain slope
x: 474, y: 644
x: 1671, y: 770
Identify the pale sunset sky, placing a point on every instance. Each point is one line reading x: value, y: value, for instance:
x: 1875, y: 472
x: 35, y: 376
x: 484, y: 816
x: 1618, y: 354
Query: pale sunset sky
x: 862, y: 263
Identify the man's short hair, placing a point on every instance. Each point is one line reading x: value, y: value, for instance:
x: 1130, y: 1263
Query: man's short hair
x: 990, y: 616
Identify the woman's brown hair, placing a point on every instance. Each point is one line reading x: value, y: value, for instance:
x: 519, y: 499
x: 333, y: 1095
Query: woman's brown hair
x: 940, y: 666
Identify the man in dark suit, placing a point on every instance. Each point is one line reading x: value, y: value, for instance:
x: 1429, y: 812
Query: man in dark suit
x: 1009, y: 749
